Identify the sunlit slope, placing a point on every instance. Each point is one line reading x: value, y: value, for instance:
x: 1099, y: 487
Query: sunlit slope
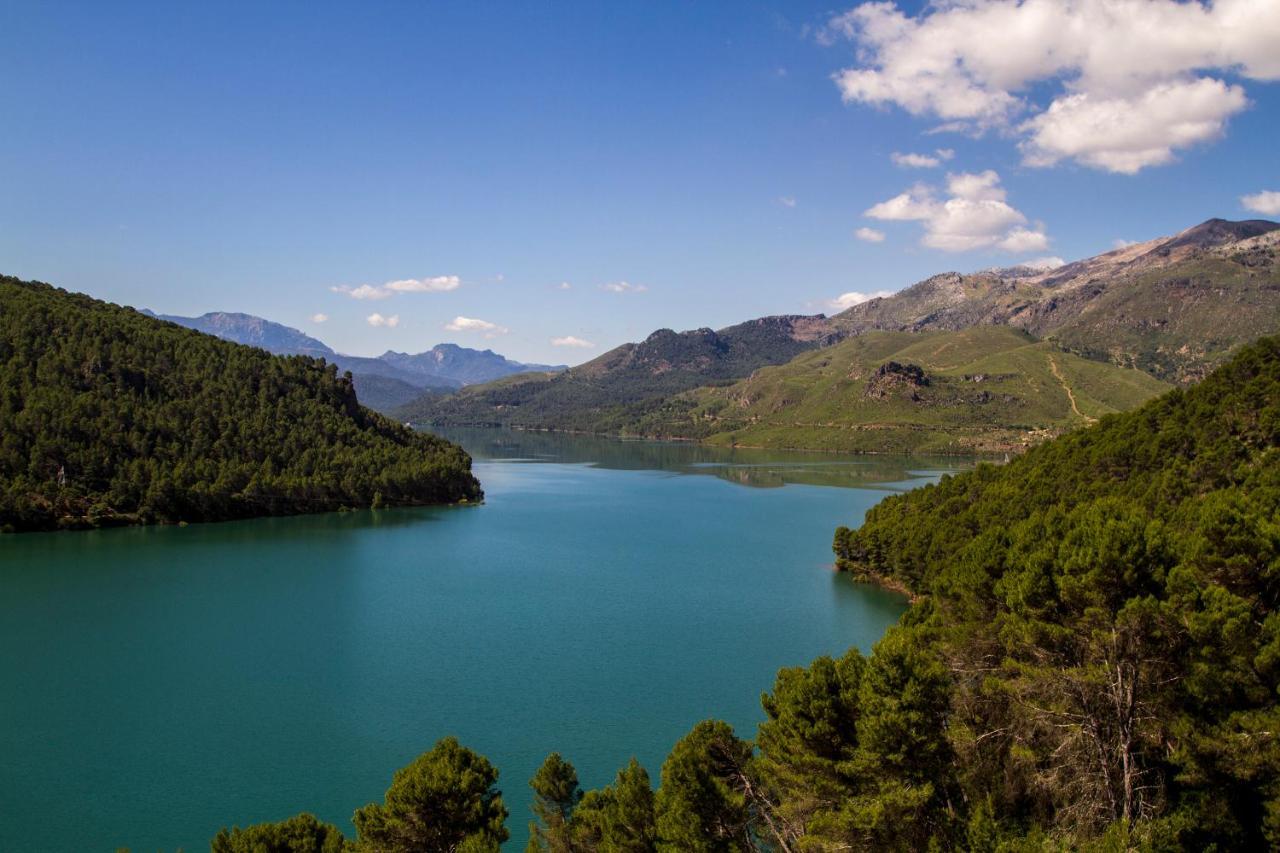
x: 982, y: 389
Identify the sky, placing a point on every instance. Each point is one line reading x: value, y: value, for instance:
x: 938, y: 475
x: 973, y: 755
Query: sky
x: 550, y: 180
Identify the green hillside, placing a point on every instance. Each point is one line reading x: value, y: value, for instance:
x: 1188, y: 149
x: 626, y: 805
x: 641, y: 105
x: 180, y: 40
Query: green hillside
x: 1103, y: 614
x: 985, y: 389
x: 109, y: 416
x: 617, y: 386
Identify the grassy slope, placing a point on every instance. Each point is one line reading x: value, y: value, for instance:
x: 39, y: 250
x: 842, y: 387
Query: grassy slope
x: 820, y: 400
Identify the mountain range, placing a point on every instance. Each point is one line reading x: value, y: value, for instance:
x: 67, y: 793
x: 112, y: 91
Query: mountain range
x: 1096, y: 335
x: 383, y: 383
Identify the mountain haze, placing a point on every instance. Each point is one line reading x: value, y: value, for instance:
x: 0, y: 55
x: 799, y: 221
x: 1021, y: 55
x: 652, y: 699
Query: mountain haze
x: 383, y: 383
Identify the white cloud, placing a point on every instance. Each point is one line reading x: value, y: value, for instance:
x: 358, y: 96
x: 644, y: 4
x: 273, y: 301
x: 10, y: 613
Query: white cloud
x: 1266, y: 202
x: 364, y: 291
x: 623, y: 287
x: 471, y: 324
x: 921, y: 161
x: 319, y: 318
x: 378, y: 320
x: 1121, y: 243
x: 869, y: 235
x: 1024, y: 240
x: 1127, y: 134
x: 434, y: 284
x: 974, y: 215
x: 787, y: 201
x: 848, y: 300
x: 1046, y: 263
x: 571, y: 341
x: 1125, y: 83
x: 564, y: 285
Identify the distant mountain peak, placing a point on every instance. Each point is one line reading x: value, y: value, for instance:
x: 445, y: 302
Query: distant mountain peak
x: 1217, y: 232
x: 253, y: 331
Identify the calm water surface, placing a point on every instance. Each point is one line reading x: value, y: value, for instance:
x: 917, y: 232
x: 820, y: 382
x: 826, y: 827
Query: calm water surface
x: 161, y: 683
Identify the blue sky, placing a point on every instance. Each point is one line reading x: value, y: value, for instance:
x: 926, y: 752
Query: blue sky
x: 273, y: 159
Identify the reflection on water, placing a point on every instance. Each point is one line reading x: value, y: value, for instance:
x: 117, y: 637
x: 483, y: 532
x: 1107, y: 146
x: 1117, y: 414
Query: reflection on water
x: 744, y: 466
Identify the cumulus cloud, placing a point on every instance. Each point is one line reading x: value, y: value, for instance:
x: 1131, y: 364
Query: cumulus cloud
x: 1024, y: 240
x: 1046, y: 263
x: 869, y: 235
x: 973, y: 215
x: 921, y: 161
x: 571, y: 341
x: 847, y: 300
x: 1266, y: 202
x: 623, y: 287
x: 787, y: 201
x: 564, y: 285
x: 1121, y: 243
x: 319, y: 318
x: 1126, y: 83
x: 471, y: 324
x: 378, y: 320
x: 434, y: 284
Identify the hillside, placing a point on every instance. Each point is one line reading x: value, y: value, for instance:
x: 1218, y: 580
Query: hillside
x: 1175, y: 307
x: 1091, y: 663
x: 613, y: 387
x: 985, y: 389
x: 109, y: 416
x: 382, y: 383
x: 1117, y: 327
x: 1099, y: 624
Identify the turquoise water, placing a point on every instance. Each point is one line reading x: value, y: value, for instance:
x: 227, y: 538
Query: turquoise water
x: 161, y: 683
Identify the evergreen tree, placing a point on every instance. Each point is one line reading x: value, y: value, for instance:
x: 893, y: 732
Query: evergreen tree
x: 555, y: 796
x: 445, y: 800
x: 302, y: 833
x: 701, y: 805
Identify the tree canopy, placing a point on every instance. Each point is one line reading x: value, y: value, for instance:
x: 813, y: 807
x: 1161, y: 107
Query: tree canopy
x: 110, y: 416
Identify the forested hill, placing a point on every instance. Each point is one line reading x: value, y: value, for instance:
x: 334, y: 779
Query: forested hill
x: 110, y: 416
x: 1100, y: 618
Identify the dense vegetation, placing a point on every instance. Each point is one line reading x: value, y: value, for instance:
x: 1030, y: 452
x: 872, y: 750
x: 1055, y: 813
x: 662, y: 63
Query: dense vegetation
x: 110, y: 416
x: 1101, y: 618
x: 1092, y: 662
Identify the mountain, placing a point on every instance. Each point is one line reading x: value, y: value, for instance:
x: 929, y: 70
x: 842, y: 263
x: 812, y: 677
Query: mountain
x: 383, y: 383
x: 1164, y: 311
x: 109, y: 416
x: 1095, y: 651
x: 983, y: 389
x: 1175, y: 307
x: 627, y: 379
x: 451, y: 363
x: 252, y: 331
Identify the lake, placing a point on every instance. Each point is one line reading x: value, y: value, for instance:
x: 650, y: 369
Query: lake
x: 160, y: 683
